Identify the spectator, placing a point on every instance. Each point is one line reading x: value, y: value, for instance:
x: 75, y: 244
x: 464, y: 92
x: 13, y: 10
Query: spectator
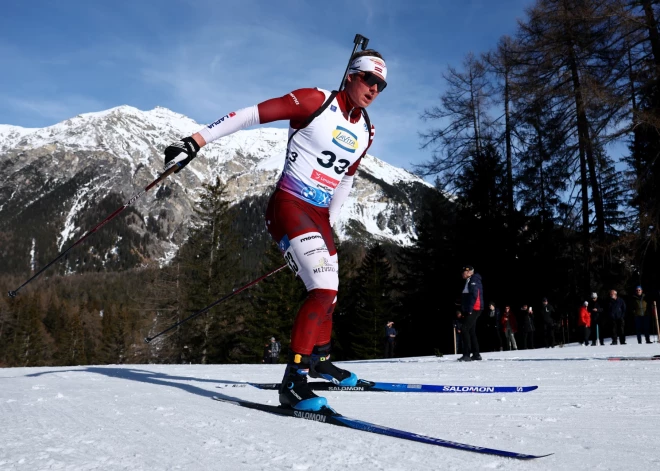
x: 390, y: 339
x: 616, y: 309
x: 472, y: 302
x: 548, y: 317
x: 526, y: 323
x: 509, y: 328
x: 584, y: 321
x: 266, y: 354
x: 458, y: 328
x: 273, y: 351
x: 493, y: 331
x: 596, y: 320
x: 642, y: 318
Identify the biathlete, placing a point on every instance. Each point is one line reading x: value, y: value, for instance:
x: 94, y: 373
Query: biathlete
x: 329, y: 133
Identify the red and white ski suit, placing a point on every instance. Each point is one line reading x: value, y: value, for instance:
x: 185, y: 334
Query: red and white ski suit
x: 322, y: 159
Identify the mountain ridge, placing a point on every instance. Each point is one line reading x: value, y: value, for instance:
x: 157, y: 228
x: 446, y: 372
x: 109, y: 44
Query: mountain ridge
x: 58, y: 175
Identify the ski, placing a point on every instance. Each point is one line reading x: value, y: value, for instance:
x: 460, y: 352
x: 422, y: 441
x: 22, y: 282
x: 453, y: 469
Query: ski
x: 655, y: 357
x: 329, y: 416
x: 373, y: 386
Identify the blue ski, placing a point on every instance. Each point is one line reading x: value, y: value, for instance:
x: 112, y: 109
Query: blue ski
x: 404, y: 387
x: 329, y: 416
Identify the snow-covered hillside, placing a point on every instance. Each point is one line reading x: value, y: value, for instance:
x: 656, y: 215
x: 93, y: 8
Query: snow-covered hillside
x: 63, y: 170
x: 590, y: 412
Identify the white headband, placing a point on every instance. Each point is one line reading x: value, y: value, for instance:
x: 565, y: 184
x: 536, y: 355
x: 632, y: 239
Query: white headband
x: 368, y: 64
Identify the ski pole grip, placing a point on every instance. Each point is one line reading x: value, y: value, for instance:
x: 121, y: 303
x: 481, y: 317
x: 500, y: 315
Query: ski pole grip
x: 12, y: 294
x: 148, y: 339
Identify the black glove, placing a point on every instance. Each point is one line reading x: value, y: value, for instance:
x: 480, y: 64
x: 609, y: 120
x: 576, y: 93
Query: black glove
x: 181, y: 153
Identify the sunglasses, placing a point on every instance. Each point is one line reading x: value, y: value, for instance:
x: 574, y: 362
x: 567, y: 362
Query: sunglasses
x: 371, y: 79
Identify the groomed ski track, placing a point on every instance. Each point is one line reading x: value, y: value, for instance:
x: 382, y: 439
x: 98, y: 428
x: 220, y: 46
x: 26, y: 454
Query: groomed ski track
x: 590, y: 412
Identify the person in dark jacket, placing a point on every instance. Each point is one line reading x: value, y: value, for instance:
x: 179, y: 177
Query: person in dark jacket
x: 493, y: 331
x: 549, y: 319
x: 596, y: 320
x: 616, y: 310
x: 642, y: 317
x: 526, y: 327
x: 472, y: 303
x: 266, y: 354
x: 390, y: 339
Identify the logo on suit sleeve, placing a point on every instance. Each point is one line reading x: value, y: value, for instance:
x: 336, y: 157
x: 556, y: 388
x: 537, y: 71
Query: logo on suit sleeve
x: 284, y: 244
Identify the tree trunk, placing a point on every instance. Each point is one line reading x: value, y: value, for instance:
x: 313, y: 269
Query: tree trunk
x: 507, y: 138
x: 475, y: 118
x: 586, y: 146
x: 654, y: 36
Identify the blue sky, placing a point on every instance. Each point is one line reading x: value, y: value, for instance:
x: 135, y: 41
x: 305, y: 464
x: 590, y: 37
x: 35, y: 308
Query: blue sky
x: 205, y: 58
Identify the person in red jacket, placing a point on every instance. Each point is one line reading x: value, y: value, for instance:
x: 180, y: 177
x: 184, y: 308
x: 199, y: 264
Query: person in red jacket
x: 584, y: 321
x: 509, y: 327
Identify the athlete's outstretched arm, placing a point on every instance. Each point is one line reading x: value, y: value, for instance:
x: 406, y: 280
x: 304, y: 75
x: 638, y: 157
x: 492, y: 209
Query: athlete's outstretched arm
x: 296, y: 107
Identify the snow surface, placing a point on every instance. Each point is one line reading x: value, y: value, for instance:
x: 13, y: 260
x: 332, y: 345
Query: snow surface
x: 590, y: 412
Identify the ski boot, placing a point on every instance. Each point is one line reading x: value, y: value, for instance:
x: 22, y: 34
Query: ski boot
x: 294, y: 391
x: 322, y: 367
x: 465, y: 358
x: 476, y: 357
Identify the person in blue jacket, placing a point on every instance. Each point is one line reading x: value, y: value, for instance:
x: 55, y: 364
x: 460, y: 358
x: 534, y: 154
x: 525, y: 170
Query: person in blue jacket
x: 390, y: 339
x: 472, y: 303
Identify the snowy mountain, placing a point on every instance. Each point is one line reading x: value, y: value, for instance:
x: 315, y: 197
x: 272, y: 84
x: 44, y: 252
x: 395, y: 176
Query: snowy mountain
x: 590, y: 412
x: 61, y: 180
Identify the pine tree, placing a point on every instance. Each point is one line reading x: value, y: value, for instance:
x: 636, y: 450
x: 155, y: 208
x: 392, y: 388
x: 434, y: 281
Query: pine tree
x: 210, y: 269
x: 428, y: 273
x: 30, y: 343
x: 275, y: 303
x: 373, y: 303
x: 350, y: 255
x: 72, y: 350
x: 463, y: 108
x: 116, y: 335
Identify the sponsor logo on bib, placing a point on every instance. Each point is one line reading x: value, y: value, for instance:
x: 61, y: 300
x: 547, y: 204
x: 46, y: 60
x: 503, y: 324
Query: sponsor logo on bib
x: 345, y: 139
x: 309, y: 192
x: 326, y: 180
x: 324, y: 266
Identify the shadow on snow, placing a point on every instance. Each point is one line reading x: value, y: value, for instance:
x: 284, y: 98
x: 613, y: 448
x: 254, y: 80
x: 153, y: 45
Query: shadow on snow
x: 151, y: 377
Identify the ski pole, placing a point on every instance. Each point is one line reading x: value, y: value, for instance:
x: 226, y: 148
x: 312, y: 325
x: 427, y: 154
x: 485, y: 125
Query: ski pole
x: 359, y: 41
x: 224, y: 298
x: 12, y: 294
x: 657, y: 327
